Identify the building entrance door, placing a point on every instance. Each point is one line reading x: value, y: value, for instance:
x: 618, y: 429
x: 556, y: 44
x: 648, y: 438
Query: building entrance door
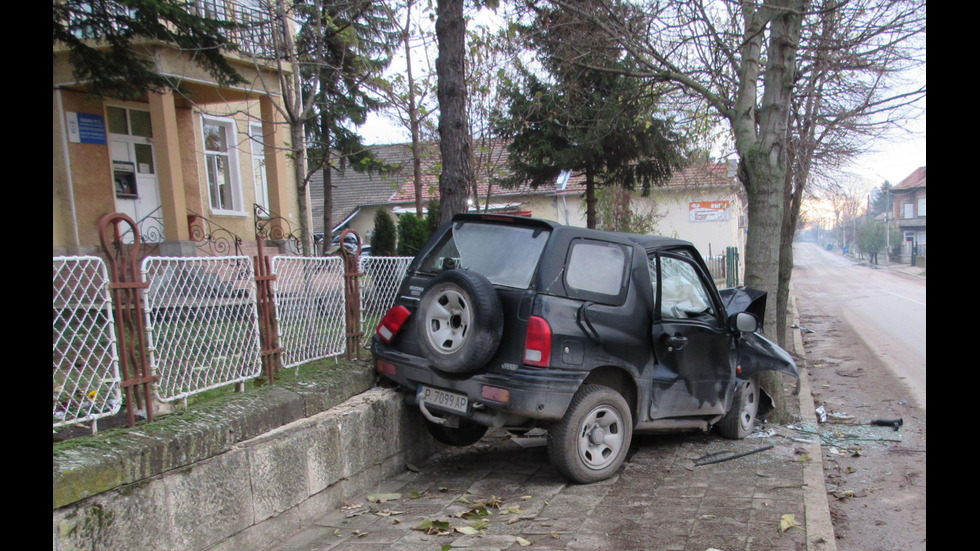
x: 134, y: 170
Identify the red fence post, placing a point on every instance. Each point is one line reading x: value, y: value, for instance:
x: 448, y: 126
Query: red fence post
x: 352, y: 293
x: 271, y: 351
x: 126, y: 291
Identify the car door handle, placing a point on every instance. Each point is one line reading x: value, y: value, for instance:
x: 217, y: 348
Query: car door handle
x: 676, y: 342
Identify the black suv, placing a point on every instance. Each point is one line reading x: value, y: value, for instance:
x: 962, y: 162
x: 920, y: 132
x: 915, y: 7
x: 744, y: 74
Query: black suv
x: 514, y: 322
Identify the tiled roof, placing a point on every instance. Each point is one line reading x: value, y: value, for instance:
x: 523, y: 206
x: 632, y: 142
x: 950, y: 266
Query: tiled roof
x: 915, y: 180
x: 352, y: 189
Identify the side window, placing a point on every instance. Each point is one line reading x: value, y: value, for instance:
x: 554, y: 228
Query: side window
x: 682, y: 294
x: 596, y: 271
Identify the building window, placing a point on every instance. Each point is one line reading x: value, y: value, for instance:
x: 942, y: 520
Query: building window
x: 221, y: 165
x: 261, y: 183
x: 907, y: 210
x: 922, y: 206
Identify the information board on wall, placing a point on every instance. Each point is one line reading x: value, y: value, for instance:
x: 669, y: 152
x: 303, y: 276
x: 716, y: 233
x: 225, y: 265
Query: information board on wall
x: 708, y: 211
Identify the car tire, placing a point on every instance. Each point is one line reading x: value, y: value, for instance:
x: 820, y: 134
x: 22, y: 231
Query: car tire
x: 740, y: 420
x: 590, y: 442
x: 460, y: 321
x: 467, y: 433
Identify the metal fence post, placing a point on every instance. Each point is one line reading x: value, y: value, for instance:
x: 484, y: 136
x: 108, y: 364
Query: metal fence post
x: 352, y: 293
x: 126, y: 289
x: 271, y: 351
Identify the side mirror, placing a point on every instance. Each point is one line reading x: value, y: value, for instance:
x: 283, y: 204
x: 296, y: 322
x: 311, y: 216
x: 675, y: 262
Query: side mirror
x: 743, y: 322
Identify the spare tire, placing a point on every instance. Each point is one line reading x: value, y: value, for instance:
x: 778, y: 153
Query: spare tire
x: 460, y: 321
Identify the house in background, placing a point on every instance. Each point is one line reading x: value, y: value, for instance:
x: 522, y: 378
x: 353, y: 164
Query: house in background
x: 181, y: 164
x: 357, y: 196
x: 909, y: 213
x: 704, y: 203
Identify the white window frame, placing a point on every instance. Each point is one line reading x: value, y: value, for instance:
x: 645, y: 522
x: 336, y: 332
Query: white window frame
x: 260, y: 179
x: 908, y: 210
x: 921, y: 207
x: 231, y: 157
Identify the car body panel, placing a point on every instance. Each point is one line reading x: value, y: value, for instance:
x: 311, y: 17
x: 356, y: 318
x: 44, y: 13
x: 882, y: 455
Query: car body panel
x: 617, y: 327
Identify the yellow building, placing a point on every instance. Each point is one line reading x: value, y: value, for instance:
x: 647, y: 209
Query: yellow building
x: 182, y: 163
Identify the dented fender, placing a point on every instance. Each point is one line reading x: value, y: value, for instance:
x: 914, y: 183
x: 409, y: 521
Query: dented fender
x: 757, y: 353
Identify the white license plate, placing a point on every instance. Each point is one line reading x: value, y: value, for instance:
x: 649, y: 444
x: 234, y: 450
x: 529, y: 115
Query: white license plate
x: 450, y: 401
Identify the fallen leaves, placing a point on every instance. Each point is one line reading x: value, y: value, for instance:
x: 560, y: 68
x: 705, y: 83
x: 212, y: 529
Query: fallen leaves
x: 788, y: 521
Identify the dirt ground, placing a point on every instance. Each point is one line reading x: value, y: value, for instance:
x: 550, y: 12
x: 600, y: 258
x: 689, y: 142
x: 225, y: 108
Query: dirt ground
x: 875, y: 475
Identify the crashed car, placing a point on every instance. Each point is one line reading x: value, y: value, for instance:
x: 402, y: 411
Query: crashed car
x: 512, y: 322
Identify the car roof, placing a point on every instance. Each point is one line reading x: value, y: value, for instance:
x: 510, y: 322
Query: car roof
x: 648, y: 242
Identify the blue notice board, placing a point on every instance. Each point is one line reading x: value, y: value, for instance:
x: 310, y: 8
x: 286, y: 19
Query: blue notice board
x: 86, y: 128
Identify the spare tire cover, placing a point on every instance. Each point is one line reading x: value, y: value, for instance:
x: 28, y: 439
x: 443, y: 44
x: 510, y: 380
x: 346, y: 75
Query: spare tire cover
x: 460, y: 321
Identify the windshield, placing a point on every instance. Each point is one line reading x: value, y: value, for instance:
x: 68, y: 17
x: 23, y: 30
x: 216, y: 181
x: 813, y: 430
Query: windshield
x: 506, y: 255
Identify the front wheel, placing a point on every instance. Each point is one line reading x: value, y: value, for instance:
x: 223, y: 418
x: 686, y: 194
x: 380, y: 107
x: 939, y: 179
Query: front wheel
x: 590, y: 442
x: 740, y: 420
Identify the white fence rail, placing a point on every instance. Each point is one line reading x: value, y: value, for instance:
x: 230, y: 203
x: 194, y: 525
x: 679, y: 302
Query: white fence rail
x: 86, y: 365
x: 202, y: 323
x: 202, y: 328
x: 382, y: 275
x: 309, y: 297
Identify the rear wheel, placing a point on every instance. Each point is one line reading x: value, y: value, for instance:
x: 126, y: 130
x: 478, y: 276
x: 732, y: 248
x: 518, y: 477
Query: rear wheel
x: 460, y: 321
x: 467, y: 433
x: 590, y: 442
x: 740, y: 420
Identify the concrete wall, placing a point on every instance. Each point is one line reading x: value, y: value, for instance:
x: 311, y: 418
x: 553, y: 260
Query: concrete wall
x: 203, y: 486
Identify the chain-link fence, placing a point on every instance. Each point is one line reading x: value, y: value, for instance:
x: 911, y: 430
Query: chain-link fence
x: 309, y: 298
x: 379, y: 284
x: 86, y: 366
x: 202, y: 323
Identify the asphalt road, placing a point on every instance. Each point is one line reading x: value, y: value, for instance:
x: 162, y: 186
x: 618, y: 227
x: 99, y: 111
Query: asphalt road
x: 886, y: 307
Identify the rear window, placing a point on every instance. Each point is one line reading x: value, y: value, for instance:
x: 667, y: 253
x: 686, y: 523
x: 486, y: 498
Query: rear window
x: 506, y: 255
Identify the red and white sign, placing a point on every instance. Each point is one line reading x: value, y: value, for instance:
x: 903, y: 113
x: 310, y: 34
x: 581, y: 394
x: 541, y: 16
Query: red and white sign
x: 708, y: 211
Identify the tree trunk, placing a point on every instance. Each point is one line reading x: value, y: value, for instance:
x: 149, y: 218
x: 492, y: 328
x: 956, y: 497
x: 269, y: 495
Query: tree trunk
x: 299, y: 169
x: 454, y: 144
x: 413, y: 118
x: 590, y: 198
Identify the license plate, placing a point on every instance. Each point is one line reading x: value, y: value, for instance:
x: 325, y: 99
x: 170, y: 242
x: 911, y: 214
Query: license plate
x: 449, y: 401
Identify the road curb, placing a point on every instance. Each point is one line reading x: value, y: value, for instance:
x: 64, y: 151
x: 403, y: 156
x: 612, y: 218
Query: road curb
x: 819, y: 527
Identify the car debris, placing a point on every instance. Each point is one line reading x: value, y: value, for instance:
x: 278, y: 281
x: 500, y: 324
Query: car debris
x: 894, y: 423
x: 713, y: 457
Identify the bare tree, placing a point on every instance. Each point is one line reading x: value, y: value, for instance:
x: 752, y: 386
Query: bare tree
x: 851, y: 92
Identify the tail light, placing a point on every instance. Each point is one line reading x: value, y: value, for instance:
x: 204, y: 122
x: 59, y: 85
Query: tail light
x: 537, y: 345
x: 392, y: 323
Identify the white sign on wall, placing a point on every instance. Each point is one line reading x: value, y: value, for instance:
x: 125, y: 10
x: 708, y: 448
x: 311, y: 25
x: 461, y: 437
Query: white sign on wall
x: 708, y: 211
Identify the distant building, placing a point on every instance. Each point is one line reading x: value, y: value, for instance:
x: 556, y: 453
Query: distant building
x: 909, y: 214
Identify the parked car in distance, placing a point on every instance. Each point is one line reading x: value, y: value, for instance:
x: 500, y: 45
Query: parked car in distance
x: 519, y: 323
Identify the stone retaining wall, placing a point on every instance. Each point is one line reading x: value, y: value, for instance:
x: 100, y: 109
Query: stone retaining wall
x: 204, y: 487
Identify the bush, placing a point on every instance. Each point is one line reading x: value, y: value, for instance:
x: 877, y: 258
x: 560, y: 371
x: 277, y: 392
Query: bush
x: 383, y: 240
x: 412, y: 234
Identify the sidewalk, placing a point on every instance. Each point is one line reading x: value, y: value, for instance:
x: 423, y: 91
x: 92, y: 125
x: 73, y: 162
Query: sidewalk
x: 503, y: 494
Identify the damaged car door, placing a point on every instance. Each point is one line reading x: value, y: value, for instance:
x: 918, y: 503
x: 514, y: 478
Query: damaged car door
x: 694, y: 348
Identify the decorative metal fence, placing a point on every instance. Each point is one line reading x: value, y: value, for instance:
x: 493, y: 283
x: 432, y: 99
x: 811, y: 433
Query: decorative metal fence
x: 86, y: 365
x: 202, y: 323
x: 309, y: 298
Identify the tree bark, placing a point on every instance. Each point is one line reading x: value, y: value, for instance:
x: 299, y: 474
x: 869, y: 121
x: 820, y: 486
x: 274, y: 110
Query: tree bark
x: 455, y: 146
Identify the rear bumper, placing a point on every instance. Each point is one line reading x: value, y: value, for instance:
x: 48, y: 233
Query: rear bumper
x: 537, y: 394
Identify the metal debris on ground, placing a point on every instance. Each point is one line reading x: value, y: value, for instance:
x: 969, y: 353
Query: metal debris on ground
x: 894, y: 423
x: 713, y: 457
